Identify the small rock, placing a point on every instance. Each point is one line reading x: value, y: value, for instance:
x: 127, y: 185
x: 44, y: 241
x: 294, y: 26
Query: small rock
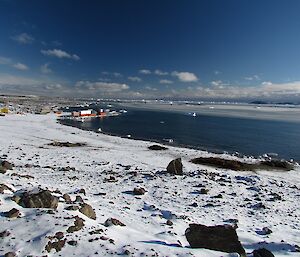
x: 169, y: 223
x: 78, y: 199
x: 67, y: 198
x: 262, y: 252
x: 4, y: 233
x: 7, y: 165
x: 194, y: 204
x: 72, y: 242
x: 88, y: 211
x: 111, y: 221
x: 13, y: 213
x: 82, y: 191
x: 59, y: 235
x: 72, y: 208
x: 267, y: 231
x: 139, y: 191
x: 58, y: 245
x: 78, y: 224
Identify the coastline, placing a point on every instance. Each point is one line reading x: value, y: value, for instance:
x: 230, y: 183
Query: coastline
x: 25, y: 140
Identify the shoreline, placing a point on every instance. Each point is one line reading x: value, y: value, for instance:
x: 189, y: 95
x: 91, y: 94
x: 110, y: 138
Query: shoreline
x: 25, y: 141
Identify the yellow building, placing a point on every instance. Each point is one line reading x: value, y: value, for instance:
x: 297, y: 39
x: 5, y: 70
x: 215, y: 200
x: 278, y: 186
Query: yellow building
x: 4, y: 110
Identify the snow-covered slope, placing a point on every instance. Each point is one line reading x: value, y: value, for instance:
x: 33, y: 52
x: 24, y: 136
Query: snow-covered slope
x: 246, y: 196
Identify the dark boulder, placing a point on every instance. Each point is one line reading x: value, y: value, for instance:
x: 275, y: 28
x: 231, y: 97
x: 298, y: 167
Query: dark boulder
x: 175, y: 167
x: 42, y: 199
x: 220, y: 238
x: 262, y: 252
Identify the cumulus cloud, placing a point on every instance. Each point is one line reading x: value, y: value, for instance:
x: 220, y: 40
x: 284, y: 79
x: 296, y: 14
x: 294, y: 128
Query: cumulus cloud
x: 160, y: 73
x: 151, y: 88
x: 144, y: 71
x: 165, y: 81
x: 60, y: 54
x: 135, y: 79
x: 23, y: 38
x: 20, y: 66
x: 114, y: 74
x: 185, y: 76
x: 104, y: 87
x: 45, y: 68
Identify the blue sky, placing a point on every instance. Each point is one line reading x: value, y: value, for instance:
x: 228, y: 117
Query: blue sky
x: 203, y: 49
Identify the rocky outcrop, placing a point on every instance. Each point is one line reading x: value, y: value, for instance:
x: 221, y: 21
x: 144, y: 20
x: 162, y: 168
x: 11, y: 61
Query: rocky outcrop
x: 157, y: 147
x: 66, y: 144
x: 175, y: 167
x: 243, y: 166
x: 88, y: 211
x: 220, y: 238
x: 42, y: 199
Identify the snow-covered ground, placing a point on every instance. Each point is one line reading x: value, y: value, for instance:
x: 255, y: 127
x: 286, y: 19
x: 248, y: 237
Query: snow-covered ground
x: 24, y: 140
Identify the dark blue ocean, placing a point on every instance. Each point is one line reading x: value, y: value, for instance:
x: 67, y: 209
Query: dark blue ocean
x: 216, y: 134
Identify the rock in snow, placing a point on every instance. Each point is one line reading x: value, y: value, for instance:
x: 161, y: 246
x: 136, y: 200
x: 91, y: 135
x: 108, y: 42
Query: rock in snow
x: 221, y: 238
x: 42, y: 199
x: 175, y: 167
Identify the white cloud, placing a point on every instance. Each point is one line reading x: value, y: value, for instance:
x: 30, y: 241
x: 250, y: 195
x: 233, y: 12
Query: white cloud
x: 114, y: 74
x: 151, y: 88
x: 20, y: 66
x: 165, y: 81
x: 251, y: 78
x: 135, y: 79
x: 216, y: 72
x: 144, y: 71
x: 23, y: 38
x: 160, y: 73
x: 104, y: 87
x: 185, y: 76
x: 60, y: 54
x: 11, y: 80
x: 45, y: 68
x: 4, y: 60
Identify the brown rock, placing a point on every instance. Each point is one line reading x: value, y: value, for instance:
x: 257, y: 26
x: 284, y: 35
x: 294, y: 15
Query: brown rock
x: 58, y: 245
x: 13, y: 213
x: 220, y: 238
x: 67, y: 198
x: 59, y: 235
x: 78, y: 224
x: 112, y: 221
x: 42, y: 199
x: 175, y: 167
x: 7, y: 165
x: 139, y: 191
x: 88, y: 211
x: 4, y: 233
